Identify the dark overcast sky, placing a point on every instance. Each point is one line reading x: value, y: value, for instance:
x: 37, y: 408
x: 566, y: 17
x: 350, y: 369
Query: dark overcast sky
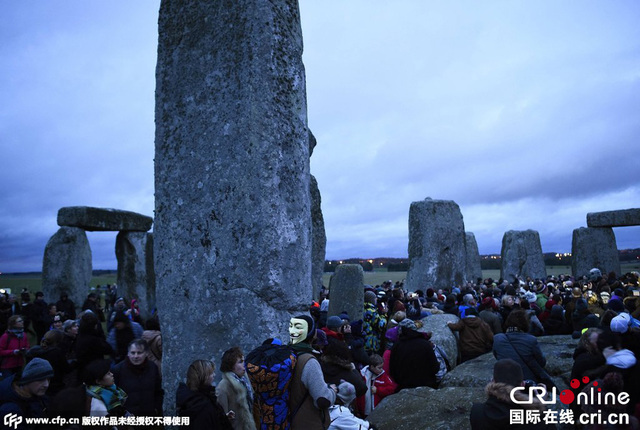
x: 527, y: 114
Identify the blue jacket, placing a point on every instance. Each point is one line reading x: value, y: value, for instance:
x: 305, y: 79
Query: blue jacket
x: 528, y: 355
x: 11, y: 403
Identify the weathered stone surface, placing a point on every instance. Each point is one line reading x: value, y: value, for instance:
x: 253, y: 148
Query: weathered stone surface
x: 347, y: 291
x: 312, y: 143
x: 558, y: 350
x: 522, y: 255
x: 442, y: 334
x: 136, y: 277
x: 621, y: 218
x: 426, y: 408
x: 594, y: 247
x: 318, y: 239
x: 66, y: 266
x: 103, y: 219
x: 474, y: 269
x: 437, y: 256
x: 232, y: 235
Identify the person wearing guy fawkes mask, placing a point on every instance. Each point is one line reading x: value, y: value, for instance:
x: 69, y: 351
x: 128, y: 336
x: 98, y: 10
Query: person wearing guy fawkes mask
x: 310, y: 395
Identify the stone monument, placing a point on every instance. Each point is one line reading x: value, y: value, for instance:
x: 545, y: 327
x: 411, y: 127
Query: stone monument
x: 347, y: 291
x: 319, y: 239
x: 594, y: 247
x: 522, y: 256
x: 474, y: 268
x: 232, y: 236
x: 437, y: 255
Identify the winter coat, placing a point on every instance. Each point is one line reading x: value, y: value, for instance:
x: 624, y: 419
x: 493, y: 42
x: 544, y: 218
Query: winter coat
x: 494, y: 414
x: 90, y: 346
x: 476, y: 336
x: 523, y: 348
x: 12, y: 403
x: 9, y: 342
x: 413, y: 362
x: 336, y: 369
x: 343, y: 419
x: 372, y: 327
x: 384, y: 387
x: 232, y: 396
x: 58, y: 361
x: 202, y: 408
x: 143, y: 386
x: 122, y: 349
x: 492, y: 319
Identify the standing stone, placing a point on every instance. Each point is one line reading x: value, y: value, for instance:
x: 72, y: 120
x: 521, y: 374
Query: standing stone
x: 232, y: 236
x: 136, y: 278
x: 347, y: 291
x: 522, y: 255
x: 619, y: 218
x: 437, y: 255
x: 318, y: 240
x: 66, y: 266
x: 474, y: 268
x: 442, y: 335
x: 594, y: 247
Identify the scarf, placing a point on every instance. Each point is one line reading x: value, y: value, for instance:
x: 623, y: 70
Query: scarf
x: 17, y: 332
x: 112, y: 396
x: 247, y: 386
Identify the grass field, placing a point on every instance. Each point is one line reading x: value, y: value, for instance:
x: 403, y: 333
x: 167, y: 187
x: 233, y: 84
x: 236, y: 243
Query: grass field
x: 33, y: 281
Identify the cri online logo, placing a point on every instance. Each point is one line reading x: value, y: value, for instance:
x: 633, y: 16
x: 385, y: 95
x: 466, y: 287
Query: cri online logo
x: 12, y: 420
x: 567, y: 396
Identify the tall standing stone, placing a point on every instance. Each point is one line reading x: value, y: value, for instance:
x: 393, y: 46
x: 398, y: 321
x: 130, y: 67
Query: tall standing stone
x: 136, y: 277
x: 522, y: 255
x: 232, y: 236
x: 594, y: 247
x: 474, y: 268
x: 437, y: 255
x: 66, y: 266
x: 319, y: 239
x: 347, y: 291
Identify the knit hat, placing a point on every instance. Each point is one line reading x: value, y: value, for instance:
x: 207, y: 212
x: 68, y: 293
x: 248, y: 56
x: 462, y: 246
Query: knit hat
x: 334, y: 323
x: 345, y: 316
x: 370, y: 297
x: 346, y: 392
x: 530, y: 297
x: 408, y: 324
x: 66, y: 326
x: 620, y: 323
x: 507, y: 371
x: 37, y: 369
x: 616, y: 305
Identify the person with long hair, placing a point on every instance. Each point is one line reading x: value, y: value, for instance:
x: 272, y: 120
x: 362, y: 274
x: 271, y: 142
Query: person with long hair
x: 197, y: 399
x: 13, y: 345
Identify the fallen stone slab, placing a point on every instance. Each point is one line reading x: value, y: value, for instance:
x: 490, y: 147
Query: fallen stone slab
x: 442, y: 334
x: 103, y: 219
x: 558, y: 350
x: 620, y: 218
x: 426, y: 408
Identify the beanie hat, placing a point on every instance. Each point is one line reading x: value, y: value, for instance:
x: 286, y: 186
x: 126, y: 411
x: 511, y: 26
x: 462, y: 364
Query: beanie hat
x: 67, y: 324
x: 37, y: 369
x: 334, y: 323
x: 620, y: 323
x: 616, y: 305
x: 531, y: 297
x: 346, y: 392
x: 407, y: 323
x: 345, y: 316
x: 508, y: 371
x: 370, y: 297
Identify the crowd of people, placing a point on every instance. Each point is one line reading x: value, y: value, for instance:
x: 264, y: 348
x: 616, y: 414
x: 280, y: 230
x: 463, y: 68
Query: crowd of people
x: 346, y: 364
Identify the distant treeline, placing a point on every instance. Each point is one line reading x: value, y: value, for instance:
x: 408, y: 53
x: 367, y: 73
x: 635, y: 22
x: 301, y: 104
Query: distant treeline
x: 487, y: 262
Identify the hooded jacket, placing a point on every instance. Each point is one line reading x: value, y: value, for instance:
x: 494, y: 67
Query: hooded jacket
x: 495, y: 413
x: 476, y: 336
x: 12, y: 403
x: 413, y: 362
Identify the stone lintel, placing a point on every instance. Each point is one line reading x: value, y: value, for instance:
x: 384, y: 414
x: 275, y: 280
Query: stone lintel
x: 619, y: 218
x: 103, y: 219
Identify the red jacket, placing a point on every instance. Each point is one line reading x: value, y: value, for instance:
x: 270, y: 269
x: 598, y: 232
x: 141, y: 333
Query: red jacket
x: 384, y: 387
x: 9, y: 343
